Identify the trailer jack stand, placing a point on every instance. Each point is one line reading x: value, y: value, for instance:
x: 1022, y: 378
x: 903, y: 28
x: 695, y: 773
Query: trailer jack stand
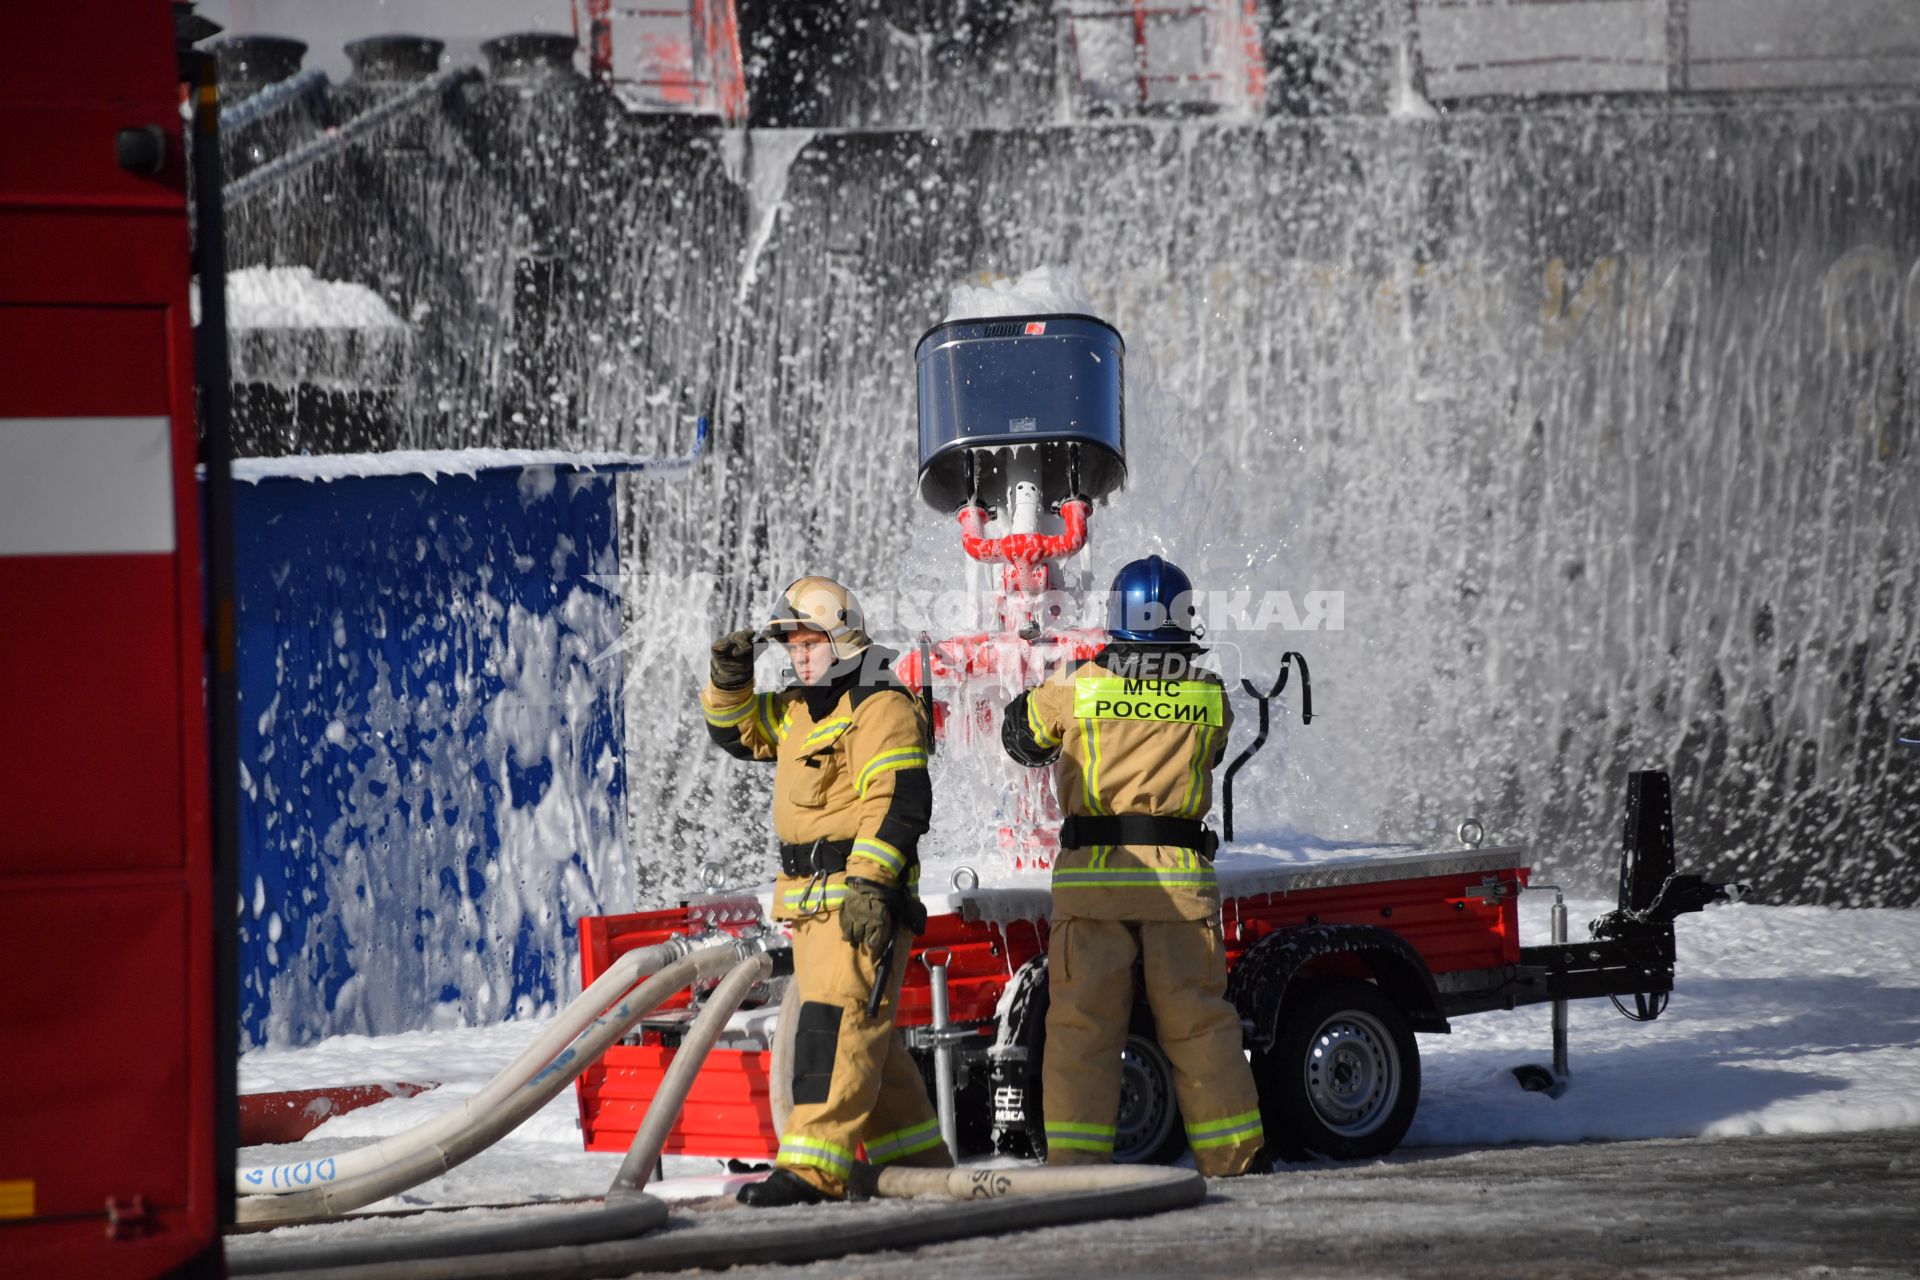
x: 1534, y: 1077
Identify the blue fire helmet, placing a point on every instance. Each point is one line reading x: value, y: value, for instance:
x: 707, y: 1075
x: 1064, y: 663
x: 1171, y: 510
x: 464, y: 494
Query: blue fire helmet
x: 1152, y: 602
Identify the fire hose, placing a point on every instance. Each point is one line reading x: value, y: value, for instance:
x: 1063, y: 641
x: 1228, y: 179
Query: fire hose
x: 285, y: 1179
x: 430, y: 1150
x: 601, y: 1242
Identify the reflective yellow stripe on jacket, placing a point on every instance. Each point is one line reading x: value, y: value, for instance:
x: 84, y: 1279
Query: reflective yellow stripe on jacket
x: 831, y: 1156
x: 827, y: 730
x: 813, y: 897
x: 888, y: 761
x: 881, y: 852
x: 776, y: 730
x: 1137, y: 877
x: 1038, y: 727
x: 727, y: 717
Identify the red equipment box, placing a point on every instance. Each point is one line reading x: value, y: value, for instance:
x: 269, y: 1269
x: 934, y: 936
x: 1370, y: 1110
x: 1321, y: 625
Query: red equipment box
x: 729, y: 1112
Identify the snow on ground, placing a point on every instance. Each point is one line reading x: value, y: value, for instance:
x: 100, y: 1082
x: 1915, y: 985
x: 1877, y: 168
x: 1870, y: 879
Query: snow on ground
x: 1784, y: 1020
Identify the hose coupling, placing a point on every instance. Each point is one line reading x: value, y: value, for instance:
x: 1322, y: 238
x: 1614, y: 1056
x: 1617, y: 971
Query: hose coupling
x: 680, y: 946
x: 759, y: 941
x: 705, y: 939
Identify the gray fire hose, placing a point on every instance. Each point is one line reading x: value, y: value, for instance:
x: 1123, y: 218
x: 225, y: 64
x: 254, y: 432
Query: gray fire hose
x: 780, y: 1060
x: 323, y: 1257
x: 997, y: 1201
x: 599, y: 1243
x: 620, y: 977
x: 416, y: 1165
x: 643, y: 1154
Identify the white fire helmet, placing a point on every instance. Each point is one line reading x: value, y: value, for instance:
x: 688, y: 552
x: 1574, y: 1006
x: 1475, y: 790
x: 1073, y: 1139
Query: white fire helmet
x: 821, y: 604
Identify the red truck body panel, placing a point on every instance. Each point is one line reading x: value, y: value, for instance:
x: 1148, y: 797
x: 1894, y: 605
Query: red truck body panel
x: 102, y: 665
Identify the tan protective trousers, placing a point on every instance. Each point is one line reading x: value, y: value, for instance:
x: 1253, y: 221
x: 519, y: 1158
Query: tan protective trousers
x: 1090, y: 980
x: 853, y: 1080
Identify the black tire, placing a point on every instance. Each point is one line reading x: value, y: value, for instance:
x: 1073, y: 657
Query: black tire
x: 1343, y: 1077
x: 1150, y: 1129
x: 1149, y: 1124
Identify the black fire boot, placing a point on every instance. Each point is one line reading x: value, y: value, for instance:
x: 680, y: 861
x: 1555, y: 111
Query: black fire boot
x: 779, y: 1190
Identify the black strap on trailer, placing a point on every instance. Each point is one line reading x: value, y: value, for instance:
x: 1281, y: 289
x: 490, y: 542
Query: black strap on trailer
x: 926, y: 692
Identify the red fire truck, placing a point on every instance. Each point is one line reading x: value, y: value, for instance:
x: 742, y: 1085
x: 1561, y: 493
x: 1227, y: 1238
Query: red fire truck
x: 115, y: 1123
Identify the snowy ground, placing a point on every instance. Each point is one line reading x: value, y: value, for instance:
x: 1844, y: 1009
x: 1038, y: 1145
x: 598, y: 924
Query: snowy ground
x: 1786, y: 1020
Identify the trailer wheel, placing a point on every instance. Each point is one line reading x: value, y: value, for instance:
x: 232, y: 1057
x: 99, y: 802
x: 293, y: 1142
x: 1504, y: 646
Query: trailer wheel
x: 1343, y: 1077
x: 1148, y: 1128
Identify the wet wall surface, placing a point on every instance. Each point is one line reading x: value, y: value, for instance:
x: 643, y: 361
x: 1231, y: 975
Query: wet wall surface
x: 1599, y: 419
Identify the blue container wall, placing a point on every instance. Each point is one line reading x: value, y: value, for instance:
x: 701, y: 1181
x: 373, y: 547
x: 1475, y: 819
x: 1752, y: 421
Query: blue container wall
x: 433, y: 787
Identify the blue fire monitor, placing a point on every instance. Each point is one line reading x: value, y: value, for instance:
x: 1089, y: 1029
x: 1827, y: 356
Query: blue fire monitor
x: 991, y: 386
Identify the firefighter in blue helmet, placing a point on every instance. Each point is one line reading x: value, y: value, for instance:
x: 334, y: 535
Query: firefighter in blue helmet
x: 1134, y: 735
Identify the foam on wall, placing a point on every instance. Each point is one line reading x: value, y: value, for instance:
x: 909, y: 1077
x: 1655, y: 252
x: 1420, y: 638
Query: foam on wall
x: 433, y: 787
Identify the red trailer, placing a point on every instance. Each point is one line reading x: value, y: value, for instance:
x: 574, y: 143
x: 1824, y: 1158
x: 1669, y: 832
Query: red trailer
x: 110, y: 1143
x: 1335, y: 961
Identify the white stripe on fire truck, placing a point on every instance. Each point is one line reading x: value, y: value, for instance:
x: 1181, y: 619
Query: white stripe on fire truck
x: 85, y: 486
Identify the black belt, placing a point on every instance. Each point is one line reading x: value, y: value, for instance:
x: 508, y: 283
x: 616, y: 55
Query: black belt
x: 1083, y: 831
x: 815, y: 857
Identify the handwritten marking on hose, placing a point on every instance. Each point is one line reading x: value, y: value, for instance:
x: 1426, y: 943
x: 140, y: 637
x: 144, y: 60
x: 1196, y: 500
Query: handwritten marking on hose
x: 988, y: 1184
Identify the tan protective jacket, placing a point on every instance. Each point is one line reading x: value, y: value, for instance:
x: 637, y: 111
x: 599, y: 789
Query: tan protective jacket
x: 858, y: 773
x: 1130, y: 747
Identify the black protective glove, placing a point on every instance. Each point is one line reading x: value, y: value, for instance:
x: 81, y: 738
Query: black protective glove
x: 866, y: 914
x: 1017, y: 737
x: 732, y: 664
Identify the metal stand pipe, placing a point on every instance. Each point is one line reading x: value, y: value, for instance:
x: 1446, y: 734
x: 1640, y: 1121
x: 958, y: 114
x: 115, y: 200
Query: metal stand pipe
x: 943, y: 1056
x: 1534, y: 1077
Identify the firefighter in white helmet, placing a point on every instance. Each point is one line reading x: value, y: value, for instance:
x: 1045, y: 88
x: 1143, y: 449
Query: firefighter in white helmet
x: 851, y: 799
x: 1137, y: 732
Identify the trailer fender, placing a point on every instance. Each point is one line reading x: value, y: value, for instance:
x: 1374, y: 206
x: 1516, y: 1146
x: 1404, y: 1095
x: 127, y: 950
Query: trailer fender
x: 1259, y: 983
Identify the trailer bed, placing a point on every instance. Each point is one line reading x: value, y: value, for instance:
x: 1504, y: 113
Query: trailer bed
x: 1456, y: 907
